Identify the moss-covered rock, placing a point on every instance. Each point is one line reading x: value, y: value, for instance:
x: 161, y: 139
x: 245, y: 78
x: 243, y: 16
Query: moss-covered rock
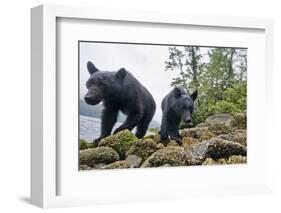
x: 143, y: 148
x: 234, y: 159
x: 221, y: 123
x: 98, y: 155
x: 173, y: 155
x: 200, y: 133
x: 117, y: 165
x: 120, y: 142
x: 134, y: 161
x: 239, y: 136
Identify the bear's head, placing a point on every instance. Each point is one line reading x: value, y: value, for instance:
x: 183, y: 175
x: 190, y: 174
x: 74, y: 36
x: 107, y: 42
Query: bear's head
x: 103, y: 85
x: 184, y: 104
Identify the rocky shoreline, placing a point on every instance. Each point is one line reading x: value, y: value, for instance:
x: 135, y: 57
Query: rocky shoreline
x: 221, y: 139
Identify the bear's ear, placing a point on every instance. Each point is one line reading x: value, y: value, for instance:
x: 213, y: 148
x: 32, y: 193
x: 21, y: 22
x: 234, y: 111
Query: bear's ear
x: 121, y: 74
x: 91, y: 68
x: 177, y: 92
x: 194, y: 95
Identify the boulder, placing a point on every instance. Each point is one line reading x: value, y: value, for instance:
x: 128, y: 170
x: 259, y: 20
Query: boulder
x: 172, y: 155
x: 219, y: 148
x: 221, y: 123
x: 98, y: 155
x: 200, y: 133
x: 239, y: 136
x: 117, y: 165
x: 214, y: 148
x: 144, y: 148
x: 134, y: 161
x: 120, y: 142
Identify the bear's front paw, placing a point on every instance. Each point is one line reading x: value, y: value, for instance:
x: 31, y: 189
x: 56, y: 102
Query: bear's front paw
x: 179, y: 141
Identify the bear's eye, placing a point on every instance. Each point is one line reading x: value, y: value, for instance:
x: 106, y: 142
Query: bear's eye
x: 100, y: 84
x: 188, y: 108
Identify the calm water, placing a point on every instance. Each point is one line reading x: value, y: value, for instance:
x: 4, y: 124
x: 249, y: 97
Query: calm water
x: 90, y: 128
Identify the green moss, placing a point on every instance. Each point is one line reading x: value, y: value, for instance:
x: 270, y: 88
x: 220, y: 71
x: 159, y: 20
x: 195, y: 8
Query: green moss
x: 120, y: 142
x: 83, y: 144
x: 98, y: 155
x: 143, y: 148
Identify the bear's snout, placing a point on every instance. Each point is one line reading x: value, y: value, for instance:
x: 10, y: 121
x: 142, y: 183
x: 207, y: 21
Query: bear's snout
x: 91, y: 101
x: 187, y: 120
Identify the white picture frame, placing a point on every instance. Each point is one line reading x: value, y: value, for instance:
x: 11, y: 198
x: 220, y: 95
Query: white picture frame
x: 44, y: 154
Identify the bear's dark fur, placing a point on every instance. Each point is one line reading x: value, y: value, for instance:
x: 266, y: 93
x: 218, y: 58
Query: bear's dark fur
x: 119, y: 91
x: 176, y: 106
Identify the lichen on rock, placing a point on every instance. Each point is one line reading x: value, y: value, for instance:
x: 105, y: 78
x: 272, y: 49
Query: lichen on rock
x: 120, y: 142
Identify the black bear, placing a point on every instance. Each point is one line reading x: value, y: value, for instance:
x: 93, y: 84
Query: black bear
x: 176, y: 106
x: 119, y: 91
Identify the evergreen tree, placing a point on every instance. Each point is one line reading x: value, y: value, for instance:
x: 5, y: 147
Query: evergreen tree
x: 219, y: 75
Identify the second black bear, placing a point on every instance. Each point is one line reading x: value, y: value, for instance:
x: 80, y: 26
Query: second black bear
x: 176, y: 106
x: 119, y: 91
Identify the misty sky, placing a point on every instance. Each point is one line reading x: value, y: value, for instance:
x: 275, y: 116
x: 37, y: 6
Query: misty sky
x: 145, y: 62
